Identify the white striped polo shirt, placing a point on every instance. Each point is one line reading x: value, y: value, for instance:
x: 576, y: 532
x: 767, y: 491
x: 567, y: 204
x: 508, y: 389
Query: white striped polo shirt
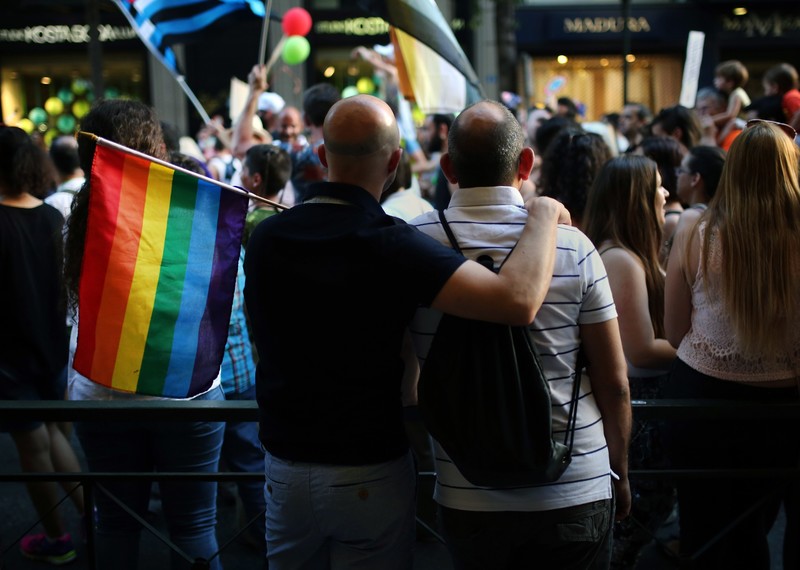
x: 489, y: 221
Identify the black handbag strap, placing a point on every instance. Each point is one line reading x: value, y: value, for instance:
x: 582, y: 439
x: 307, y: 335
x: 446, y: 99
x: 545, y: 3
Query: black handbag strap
x: 572, y: 418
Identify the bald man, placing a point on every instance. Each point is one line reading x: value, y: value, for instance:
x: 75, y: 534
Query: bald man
x: 520, y: 528
x: 331, y: 287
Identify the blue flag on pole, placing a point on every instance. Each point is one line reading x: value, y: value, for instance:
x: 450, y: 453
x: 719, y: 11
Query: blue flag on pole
x: 162, y: 23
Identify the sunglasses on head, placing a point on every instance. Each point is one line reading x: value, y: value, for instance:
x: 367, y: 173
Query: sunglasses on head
x: 790, y: 132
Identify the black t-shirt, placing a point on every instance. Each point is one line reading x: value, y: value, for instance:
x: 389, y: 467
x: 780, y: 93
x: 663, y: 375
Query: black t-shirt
x: 330, y: 289
x: 33, y: 343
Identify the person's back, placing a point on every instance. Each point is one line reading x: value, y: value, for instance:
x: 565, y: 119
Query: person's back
x: 730, y: 77
x: 190, y: 506
x: 734, y: 316
x: 783, y: 80
x: 64, y: 154
x: 335, y: 414
x: 33, y: 346
x: 679, y: 123
x: 265, y: 172
x: 511, y: 528
x: 569, y: 168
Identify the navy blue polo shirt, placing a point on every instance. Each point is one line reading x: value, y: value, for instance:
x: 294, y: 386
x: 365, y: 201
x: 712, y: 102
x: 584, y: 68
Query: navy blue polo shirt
x: 330, y: 289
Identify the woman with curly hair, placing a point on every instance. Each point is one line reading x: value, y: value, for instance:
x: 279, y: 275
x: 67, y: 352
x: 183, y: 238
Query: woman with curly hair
x: 33, y: 339
x: 569, y: 167
x: 624, y: 219
x: 189, y: 506
x: 734, y: 314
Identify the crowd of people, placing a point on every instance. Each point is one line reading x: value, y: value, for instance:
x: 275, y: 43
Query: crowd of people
x: 663, y: 246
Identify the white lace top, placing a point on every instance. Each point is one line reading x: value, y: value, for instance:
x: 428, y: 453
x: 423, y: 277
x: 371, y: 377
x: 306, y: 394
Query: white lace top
x: 711, y: 346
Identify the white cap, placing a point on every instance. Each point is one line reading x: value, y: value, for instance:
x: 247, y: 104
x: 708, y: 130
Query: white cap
x: 271, y: 102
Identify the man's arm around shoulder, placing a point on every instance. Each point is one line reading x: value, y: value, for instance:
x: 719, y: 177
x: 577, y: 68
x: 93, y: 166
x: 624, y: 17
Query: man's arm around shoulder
x: 514, y: 295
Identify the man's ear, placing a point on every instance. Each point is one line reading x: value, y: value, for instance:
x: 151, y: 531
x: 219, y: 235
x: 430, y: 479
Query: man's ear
x: 321, y: 153
x: 525, y: 166
x: 394, y: 160
x: 257, y: 179
x: 447, y: 168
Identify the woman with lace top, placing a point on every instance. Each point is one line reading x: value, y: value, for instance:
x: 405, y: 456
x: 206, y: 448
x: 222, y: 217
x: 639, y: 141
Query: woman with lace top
x: 734, y: 314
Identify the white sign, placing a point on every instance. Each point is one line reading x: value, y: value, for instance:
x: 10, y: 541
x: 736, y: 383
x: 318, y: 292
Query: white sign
x: 691, y: 69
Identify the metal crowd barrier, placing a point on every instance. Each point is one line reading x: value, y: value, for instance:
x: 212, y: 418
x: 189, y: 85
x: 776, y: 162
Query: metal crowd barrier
x: 159, y: 410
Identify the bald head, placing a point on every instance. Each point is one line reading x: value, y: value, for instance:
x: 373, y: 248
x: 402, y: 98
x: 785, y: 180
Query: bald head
x: 360, y: 126
x: 484, y: 145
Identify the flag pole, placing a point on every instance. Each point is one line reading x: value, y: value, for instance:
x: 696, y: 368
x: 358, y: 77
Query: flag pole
x: 195, y: 101
x: 276, y: 52
x: 262, y: 52
x: 111, y: 144
x: 170, y: 68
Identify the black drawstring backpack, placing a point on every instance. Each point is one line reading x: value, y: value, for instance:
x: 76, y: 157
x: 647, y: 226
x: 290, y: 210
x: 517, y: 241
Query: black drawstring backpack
x: 484, y: 397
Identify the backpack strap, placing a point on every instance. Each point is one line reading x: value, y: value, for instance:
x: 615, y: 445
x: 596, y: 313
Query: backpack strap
x: 572, y: 419
x: 450, y: 235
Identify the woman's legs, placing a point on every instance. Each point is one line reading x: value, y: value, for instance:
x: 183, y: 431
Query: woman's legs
x: 34, y: 448
x: 118, y: 447
x: 190, y: 507
x: 64, y: 459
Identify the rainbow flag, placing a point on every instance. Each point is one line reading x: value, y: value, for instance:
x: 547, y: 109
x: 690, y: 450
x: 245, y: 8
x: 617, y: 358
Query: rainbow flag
x: 159, y: 269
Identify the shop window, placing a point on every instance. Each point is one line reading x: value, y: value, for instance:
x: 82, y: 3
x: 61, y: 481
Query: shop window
x: 51, y: 94
x: 596, y: 82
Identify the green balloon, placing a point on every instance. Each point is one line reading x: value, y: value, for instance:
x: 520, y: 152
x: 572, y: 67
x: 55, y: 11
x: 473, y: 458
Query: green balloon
x: 50, y: 136
x: 349, y: 91
x: 80, y: 86
x: 295, y: 50
x: 80, y: 108
x: 66, y: 95
x: 37, y: 115
x: 111, y: 93
x: 66, y: 124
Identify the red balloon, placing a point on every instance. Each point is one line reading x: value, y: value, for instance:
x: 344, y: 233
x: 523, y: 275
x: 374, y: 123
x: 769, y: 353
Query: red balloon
x: 296, y: 22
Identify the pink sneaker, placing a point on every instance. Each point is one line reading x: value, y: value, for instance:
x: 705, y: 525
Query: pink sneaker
x: 57, y: 552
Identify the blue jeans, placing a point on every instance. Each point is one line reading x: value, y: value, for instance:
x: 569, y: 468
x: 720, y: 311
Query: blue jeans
x: 242, y: 451
x: 340, y: 516
x: 190, y: 507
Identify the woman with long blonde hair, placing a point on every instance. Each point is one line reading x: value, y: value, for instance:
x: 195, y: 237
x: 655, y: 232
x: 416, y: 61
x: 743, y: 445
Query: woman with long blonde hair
x: 734, y: 315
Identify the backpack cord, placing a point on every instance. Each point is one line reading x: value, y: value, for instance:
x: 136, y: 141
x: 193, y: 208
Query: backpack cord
x: 450, y: 235
x: 572, y: 419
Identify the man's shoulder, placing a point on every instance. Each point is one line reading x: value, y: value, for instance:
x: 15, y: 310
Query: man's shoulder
x: 572, y: 237
x: 425, y: 220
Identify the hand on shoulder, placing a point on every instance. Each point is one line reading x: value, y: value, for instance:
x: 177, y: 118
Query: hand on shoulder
x: 548, y: 208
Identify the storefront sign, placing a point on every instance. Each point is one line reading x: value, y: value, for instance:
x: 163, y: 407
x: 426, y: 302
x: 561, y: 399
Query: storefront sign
x: 758, y: 26
x: 75, y: 34
x: 353, y: 27
x: 604, y: 25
